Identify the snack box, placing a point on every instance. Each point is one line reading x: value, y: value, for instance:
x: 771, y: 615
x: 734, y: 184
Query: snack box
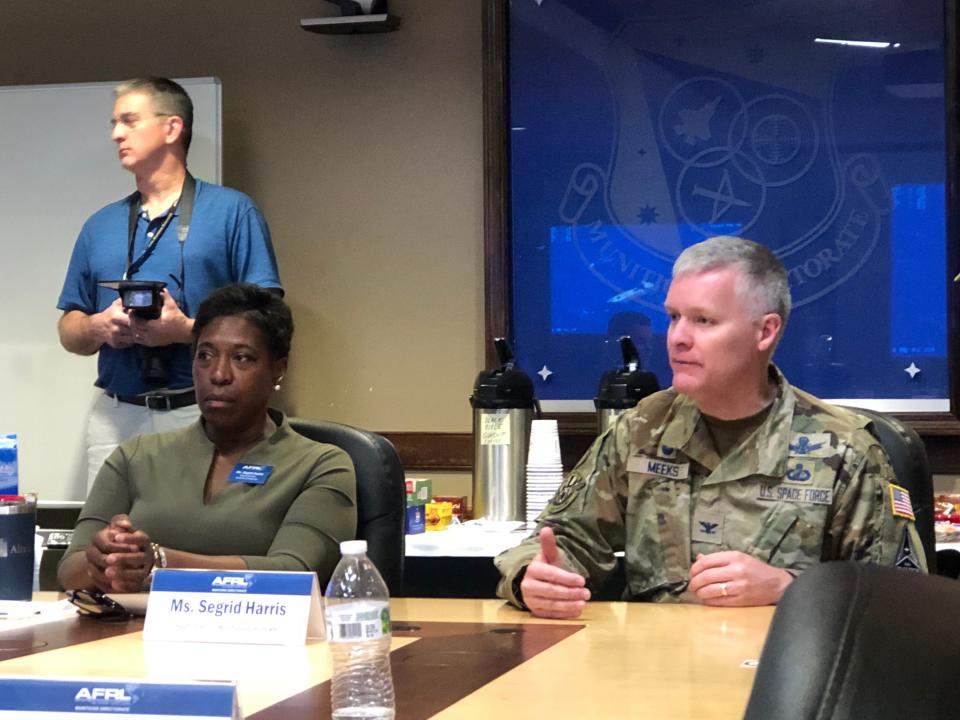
x: 419, y: 491
x: 459, y: 505
x: 414, y: 522
x: 439, y: 515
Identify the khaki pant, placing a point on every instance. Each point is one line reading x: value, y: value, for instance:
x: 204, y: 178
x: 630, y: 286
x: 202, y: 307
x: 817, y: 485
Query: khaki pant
x: 111, y: 422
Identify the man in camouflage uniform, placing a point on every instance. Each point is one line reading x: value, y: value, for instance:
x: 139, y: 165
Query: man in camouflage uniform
x: 722, y: 488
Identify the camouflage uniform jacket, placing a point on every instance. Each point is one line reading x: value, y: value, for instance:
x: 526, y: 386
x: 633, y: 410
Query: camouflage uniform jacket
x: 811, y: 484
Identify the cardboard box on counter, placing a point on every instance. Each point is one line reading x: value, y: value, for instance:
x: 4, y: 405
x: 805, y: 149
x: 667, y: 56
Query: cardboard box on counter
x: 419, y: 491
x: 439, y: 515
x: 415, y: 519
x: 459, y: 504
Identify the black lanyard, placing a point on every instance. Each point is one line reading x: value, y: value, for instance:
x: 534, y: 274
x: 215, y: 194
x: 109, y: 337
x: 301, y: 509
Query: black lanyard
x: 185, y: 206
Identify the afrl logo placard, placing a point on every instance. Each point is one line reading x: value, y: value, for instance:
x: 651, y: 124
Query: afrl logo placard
x: 280, y: 608
x: 28, y: 697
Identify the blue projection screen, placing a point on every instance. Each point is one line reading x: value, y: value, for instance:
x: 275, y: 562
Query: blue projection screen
x: 638, y: 129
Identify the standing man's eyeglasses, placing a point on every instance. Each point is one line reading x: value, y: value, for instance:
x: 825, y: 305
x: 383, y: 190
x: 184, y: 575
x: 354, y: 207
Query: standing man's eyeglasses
x: 131, y: 121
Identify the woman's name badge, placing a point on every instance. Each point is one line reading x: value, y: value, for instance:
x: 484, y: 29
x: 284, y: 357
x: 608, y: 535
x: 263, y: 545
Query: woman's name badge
x: 250, y: 474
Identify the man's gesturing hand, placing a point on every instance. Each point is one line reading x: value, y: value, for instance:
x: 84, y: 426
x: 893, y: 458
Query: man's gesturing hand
x: 549, y: 590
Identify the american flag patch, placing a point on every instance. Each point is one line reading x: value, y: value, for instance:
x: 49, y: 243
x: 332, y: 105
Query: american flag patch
x: 900, y: 502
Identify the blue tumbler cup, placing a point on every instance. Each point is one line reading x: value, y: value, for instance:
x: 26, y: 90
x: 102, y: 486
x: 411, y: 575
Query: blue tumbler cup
x: 18, y: 519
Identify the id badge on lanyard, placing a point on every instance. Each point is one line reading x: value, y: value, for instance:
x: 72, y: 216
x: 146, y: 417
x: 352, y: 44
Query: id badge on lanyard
x: 185, y: 207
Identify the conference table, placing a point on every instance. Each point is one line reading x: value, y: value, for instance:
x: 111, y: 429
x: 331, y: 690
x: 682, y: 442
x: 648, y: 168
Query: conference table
x: 452, y: 658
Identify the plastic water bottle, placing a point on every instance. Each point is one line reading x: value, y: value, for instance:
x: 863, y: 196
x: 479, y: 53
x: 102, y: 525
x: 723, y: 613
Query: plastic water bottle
x: 357, y: 610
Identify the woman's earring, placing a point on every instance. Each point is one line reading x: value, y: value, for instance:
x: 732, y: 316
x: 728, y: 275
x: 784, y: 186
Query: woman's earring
x: 277, y: 386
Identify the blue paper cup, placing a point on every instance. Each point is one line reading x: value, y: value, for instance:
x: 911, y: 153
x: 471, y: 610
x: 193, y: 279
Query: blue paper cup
x: 18, y: 519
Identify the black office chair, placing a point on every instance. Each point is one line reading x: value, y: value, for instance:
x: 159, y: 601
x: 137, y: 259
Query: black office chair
x: 851, y: 641
x: 55, y: 523
x: 381, y: 495
x: 908, y: 456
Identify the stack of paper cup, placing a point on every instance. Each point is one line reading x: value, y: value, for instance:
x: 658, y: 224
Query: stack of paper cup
x: 544, y: 470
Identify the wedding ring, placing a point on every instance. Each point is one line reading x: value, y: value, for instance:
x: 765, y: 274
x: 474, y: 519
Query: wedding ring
x: 723, y: 589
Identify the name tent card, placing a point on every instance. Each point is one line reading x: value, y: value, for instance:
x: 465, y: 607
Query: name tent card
x: 220, y: 606
x: 41, y: 698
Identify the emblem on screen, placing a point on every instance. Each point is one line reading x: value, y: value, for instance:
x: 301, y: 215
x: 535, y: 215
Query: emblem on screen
x: 719, y: 155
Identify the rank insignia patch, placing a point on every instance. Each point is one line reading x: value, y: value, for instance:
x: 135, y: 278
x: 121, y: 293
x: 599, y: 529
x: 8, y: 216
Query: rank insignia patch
x: 707, y: 527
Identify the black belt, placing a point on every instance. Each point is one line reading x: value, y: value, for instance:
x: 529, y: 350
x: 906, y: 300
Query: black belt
x: 157, y: 402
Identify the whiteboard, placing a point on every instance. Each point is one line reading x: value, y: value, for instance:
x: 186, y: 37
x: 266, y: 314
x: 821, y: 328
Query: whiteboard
x: 58, y: 166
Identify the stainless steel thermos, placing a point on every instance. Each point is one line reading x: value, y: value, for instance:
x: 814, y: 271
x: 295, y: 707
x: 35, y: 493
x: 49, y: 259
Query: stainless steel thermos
x: 622, y: 388
x: 503, y: 408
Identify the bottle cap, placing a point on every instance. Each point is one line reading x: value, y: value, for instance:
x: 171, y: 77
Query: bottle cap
x: 353, y: 547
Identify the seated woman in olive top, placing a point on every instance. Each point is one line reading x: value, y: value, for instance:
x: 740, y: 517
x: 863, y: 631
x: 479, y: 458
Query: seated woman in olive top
x: 239, y: 489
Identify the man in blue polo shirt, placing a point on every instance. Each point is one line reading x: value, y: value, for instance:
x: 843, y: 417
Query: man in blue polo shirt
x: 189, y: 234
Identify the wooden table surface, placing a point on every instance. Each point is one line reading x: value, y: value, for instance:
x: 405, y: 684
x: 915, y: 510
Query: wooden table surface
x: 454, y: 658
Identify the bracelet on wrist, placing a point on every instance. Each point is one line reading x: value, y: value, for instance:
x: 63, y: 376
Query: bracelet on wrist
x: 159, y: 556
x: 159, y: 561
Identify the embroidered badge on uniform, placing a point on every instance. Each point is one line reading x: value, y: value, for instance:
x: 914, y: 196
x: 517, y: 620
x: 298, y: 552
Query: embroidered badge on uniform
x: 804, y: 446
x: 900, y: 504
x: 906, y: 557
x: 798, y: 474
x: 815, y: 444
x: 707, y: 527
x: 567, y: 492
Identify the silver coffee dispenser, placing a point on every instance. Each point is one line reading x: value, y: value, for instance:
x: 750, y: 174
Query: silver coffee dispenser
x: 623, y: 388
x: 503, y: 408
